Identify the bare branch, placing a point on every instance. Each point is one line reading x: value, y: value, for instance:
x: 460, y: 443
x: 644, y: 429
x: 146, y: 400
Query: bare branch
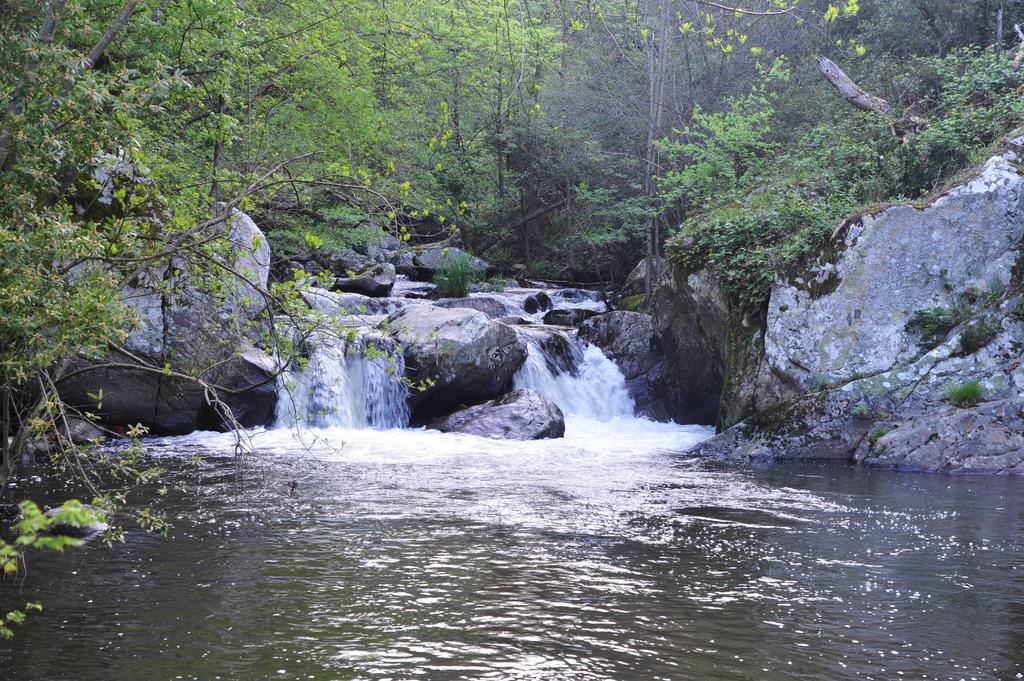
x: 852, y: 92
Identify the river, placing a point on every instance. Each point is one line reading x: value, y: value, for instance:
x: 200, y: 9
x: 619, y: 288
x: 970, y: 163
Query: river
x: 608, y: 555
x: 403, y: 553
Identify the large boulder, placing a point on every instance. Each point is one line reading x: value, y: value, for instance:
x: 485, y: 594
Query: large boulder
x: 182, y: 329
x: 907, y: 336
x: 375, y: 281
x: 350, y: 304
x: 987, y: 438
x: 520, y: 415
x: 628, y: 339
x: 850, y: 311
x: 636, y: 282
x: 381, y: 247
x: 460, y: 355
x: 438, y: 257
x: 248, y: 382
x: 345, y: 262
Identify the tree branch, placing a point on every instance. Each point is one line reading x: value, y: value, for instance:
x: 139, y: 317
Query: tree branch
x: 850, y: 91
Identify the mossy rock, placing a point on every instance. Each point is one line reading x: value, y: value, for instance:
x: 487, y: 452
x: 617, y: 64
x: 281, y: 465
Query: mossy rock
x: 632, y: 303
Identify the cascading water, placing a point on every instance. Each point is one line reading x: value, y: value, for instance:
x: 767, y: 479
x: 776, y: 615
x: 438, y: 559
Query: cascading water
x: 576, y: 376
x: 346, y: 385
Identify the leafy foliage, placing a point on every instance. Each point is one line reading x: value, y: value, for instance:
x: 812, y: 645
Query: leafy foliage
x: 833, y: 170
x: 454, y: 275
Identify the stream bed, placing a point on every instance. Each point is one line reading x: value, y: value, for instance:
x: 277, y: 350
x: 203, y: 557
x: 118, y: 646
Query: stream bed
x: 610, y: 554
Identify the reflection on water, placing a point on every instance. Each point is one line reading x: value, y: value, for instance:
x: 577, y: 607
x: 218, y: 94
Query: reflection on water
x: 609, y: 555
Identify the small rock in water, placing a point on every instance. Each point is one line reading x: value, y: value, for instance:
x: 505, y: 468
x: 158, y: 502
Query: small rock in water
x: 570, y: 317
x: 520, y: 415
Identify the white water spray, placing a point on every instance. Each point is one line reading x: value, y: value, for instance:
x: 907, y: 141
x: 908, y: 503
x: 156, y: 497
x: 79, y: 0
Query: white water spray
x: 586, y: 383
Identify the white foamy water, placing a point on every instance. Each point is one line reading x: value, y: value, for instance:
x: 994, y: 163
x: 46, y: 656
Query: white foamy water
x: 342, y: 387
x: 595, y: 390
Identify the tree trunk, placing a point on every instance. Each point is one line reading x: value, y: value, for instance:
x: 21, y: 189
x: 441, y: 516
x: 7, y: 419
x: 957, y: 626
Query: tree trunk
x: 656, y: 102
x: 6, y: 451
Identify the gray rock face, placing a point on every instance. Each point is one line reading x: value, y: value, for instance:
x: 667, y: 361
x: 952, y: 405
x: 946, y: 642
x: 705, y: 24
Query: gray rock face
x: 883, y: 397
x: 851, y: 315
x: 194, y: 332
x: 988, y: 438
x: 520, y: 415
x: 689, y: 316
x: 467, y: 356
x: 573, y: 316
x: 376, y: 281
x: 628, y: 339
x: 635, y: 282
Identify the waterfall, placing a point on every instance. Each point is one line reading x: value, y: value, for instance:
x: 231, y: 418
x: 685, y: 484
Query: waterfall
x: 347, y: 385
x: 576, y: 376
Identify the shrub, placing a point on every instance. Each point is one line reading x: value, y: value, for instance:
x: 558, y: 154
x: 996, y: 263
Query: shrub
x: 877, y: 434
x: 934, y: 324
x: 965, y: 394
x: 454, y: 275
x: 977, y: 335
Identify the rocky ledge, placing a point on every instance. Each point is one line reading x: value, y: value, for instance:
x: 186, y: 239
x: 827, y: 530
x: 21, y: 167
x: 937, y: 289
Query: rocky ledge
x: 900, y: 347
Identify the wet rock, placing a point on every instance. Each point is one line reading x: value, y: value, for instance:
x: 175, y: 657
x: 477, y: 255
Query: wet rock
x: 494, y: 306
x: 537, y: 302
x: 700, y: 337
x: 376, y: 281
x: 519, y: 415
x: 566, y: 296
x: 568, y: 317
x: 988, y: 438
x: 248, y: 387
x: 82, y: 432
x: 465, y: 356
x: 515, y: 321
x: 350, y: 304
x: 78, y: 531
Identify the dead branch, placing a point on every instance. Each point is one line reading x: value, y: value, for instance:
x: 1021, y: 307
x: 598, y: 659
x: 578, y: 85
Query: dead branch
x: 850, y: 91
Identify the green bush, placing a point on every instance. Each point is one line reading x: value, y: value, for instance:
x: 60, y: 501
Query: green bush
x: 757, y: 220
x: 965, y: 394
x: 454, y: 276
x: 977, y: 335
x: 878, y: 434
x: 746, y: 243
x: 934, y: 324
